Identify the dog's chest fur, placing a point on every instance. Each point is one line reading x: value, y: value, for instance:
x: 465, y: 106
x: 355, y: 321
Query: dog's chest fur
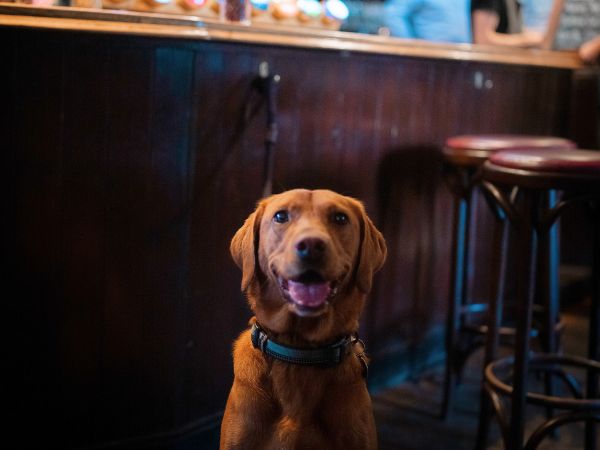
x: 309, y: 407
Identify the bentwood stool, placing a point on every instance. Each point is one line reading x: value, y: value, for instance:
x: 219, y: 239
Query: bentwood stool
x: 463, y: 157
x: 576, y: 173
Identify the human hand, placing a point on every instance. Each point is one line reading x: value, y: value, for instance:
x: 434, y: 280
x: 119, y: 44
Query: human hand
x: 590, y: 51
x: 532, y: 38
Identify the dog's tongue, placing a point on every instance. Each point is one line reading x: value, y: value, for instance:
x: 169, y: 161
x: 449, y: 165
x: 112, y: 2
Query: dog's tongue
x: 308, y: 295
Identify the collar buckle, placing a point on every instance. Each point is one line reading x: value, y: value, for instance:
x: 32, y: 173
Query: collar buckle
x: 259, y: 338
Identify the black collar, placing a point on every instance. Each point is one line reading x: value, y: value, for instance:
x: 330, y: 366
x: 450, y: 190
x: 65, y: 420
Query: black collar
x: 330, y: 355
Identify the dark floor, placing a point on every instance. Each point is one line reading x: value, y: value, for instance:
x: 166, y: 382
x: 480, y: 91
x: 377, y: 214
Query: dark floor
x: 407, y: 415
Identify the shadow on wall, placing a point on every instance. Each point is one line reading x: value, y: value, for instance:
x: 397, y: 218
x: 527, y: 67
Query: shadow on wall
x: 405, y: 318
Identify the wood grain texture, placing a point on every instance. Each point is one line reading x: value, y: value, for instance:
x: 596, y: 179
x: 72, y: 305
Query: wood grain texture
x: 136, y: 159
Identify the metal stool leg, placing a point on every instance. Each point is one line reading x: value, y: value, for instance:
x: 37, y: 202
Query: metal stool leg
x: 526, y: 268
x: 457, y: 293
x: 548, y: 258
x: 494, y: 321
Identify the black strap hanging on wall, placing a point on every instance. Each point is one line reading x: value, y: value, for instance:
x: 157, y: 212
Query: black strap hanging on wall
x: 267, y: 85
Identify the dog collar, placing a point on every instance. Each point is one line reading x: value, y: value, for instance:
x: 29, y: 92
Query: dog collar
x: 330, y: 355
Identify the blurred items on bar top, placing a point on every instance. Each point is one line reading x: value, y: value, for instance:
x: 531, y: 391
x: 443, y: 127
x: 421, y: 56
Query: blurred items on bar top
x: 330, y: 14
x: 87, y: 3
x: 234, y: 11
x: 37, y: 2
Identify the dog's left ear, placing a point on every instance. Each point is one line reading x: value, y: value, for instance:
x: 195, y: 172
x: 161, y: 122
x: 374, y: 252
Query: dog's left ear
x: 372, y: 253
x: 244, y: 246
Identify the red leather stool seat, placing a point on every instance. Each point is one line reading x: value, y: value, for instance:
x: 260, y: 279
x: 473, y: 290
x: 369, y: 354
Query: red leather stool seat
x: 546, y: 169
x: 473, y: 150
x: 550, y: 160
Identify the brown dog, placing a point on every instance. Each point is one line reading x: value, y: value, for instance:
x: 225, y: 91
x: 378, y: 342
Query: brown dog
x: 307, y: 258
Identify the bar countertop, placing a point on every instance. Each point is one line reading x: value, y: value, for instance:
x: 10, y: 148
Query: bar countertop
x: 200, y: 28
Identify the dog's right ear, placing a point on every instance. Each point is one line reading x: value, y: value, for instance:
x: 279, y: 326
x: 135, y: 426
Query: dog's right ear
x: 244, y: 246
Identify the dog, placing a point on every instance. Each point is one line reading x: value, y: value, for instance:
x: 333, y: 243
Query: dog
x: 307, y: 259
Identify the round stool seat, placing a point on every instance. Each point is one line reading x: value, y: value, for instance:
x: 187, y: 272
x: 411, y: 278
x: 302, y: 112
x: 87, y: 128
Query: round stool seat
x: 474, y: 150
x: 545, y: 168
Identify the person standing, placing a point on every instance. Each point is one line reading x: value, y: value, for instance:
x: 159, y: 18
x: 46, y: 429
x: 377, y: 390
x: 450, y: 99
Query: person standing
x: 432, y: 20
x: 499, y: 22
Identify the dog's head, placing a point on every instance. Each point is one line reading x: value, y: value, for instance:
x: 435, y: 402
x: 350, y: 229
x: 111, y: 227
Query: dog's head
x: 310, y: 255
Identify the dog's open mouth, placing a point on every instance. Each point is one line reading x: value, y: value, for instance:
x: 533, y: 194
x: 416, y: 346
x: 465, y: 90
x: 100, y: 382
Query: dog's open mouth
x: 309, y: 294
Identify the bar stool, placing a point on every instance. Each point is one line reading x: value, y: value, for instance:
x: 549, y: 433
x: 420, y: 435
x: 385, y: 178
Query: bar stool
x: 463, y: 157
x: 577, y: 174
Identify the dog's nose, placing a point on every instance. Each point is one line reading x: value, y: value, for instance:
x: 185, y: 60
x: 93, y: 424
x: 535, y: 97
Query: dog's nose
x: 310, y: 249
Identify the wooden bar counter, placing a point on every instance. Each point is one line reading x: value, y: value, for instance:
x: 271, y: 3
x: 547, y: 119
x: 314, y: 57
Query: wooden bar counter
x: 133, y: 149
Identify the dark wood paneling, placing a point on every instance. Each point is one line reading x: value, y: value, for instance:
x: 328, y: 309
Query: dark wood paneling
x: 83, y: 237
x: 130, y: 303
x: 136, y: 159
x: 37, y: 184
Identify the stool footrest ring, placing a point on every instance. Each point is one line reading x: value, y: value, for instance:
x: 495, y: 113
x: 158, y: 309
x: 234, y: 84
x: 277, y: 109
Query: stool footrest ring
x: 538, y: 362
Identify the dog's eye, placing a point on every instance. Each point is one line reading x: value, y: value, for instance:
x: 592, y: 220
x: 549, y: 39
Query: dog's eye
x: 340, y: 218
x: 281, y: 216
